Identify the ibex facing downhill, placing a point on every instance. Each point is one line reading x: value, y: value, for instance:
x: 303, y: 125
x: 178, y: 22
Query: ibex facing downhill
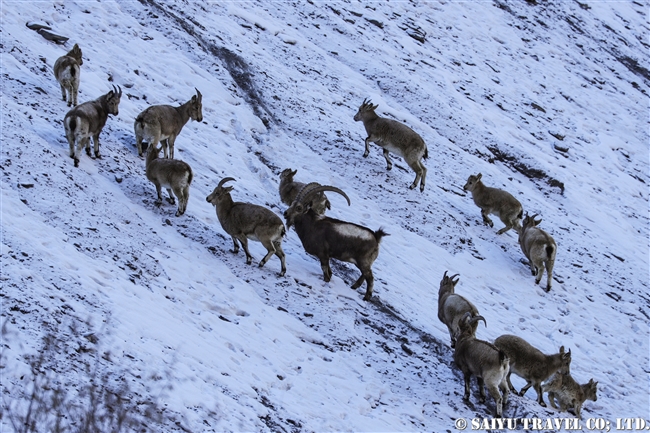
x: 163, y: 123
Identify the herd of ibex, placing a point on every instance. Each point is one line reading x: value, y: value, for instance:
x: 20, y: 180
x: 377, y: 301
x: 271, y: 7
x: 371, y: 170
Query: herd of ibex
x: 328, y: 238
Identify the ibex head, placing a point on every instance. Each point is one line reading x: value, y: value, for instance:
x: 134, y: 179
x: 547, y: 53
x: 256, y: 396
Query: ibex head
x: 468, y: 325
x: 529, y: 221
x: 220, y: 191
x: 472, y: 180
x: 302, y: 203
x: 447, y: 284
x: 196, y: 106
x: 76, y: 54
x: 366, y: 106
x: 113, y: 100
x: 288, y: 174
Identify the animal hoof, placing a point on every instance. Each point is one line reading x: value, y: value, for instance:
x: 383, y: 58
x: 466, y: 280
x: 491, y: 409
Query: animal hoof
x: 412, y: 186
x: 421, y: 188
x: 88, y: 151
x: 390, y: 167
x: 365, y: 155
x: 281, y: 274
x: 367, y: 298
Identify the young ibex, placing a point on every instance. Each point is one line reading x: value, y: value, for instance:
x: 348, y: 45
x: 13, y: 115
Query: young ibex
x: 171, y: 174
x: 452, y: 307
x: 66, y: 71
x: 394, y: 136
x: 289, y: 190
x: 569, y: 393
x: 539, y: 248
x: 495, y: 201
x: 488, y: 363
x: 163, y: 123
x: 329, y: 238
x: 528, y: 362
x: 243, y: 221
x: 87, y: 120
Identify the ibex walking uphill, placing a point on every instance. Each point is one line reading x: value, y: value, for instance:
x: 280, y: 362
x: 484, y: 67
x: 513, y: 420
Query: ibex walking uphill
x: 67, y: 70
x: 393, y: 136
x: 452, y: 307
x: 243, y: 221
x: 539, y: 248
x: 87, y: 120
x: 328, y: 238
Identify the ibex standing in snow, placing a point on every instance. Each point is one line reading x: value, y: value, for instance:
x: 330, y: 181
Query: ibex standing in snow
x: 394, y: 136
x: 452, y: 307
x: 530, y: 363
x: 244, y: 221
x: 328, y: 238
x: 172, y: 174
x: 66, y: 71
x: 487, y: 362
x: 539, y: 248
x: 87, y: 120
x: 163, y: 123
x: 495, y: 201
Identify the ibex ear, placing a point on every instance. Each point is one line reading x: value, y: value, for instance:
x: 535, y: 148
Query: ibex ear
x: 479, y: 176
x: 229, y: 188
x: 562, y: 349
x: 537, y: 222
x: 374, y: 107
x: 293, y: 173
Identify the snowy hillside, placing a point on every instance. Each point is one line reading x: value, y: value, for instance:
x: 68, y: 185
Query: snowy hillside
x: 548, y: 100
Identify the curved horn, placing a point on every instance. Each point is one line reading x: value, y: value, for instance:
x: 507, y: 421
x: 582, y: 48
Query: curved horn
x: 316, y: 187
x: 198, y: 94
x: 224, y: 180
x: 475, y: 319
x: 445, y: 275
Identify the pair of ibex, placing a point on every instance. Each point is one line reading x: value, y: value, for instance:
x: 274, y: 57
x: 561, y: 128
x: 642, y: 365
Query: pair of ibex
x: 492, y: 364
x: 324, y: 237
x: 537, y: 245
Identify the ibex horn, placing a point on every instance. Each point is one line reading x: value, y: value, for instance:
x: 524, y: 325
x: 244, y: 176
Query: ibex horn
x: 224, y: 180
x: 312, y: 188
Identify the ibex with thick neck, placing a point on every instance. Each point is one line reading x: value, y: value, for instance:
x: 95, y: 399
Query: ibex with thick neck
x: 328, y: 238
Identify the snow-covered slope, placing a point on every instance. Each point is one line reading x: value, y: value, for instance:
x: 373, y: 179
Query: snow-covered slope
x: 548, y: 101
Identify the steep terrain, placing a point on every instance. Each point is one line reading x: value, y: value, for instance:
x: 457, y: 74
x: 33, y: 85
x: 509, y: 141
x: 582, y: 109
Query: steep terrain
x: 548, y: 101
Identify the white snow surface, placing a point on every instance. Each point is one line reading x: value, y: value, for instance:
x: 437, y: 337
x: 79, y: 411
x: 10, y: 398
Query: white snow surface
x: 548, y: 101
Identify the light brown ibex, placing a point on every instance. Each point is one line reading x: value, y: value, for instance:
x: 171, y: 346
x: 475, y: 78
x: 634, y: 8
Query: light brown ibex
x: 495, y: 201
x: 172, y: 174
x: 393, y: 136
x: 67, y: 70
x: 87, y: 120
x: 243, y: 221
x: 530, y: 363
x: 163, y: 123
